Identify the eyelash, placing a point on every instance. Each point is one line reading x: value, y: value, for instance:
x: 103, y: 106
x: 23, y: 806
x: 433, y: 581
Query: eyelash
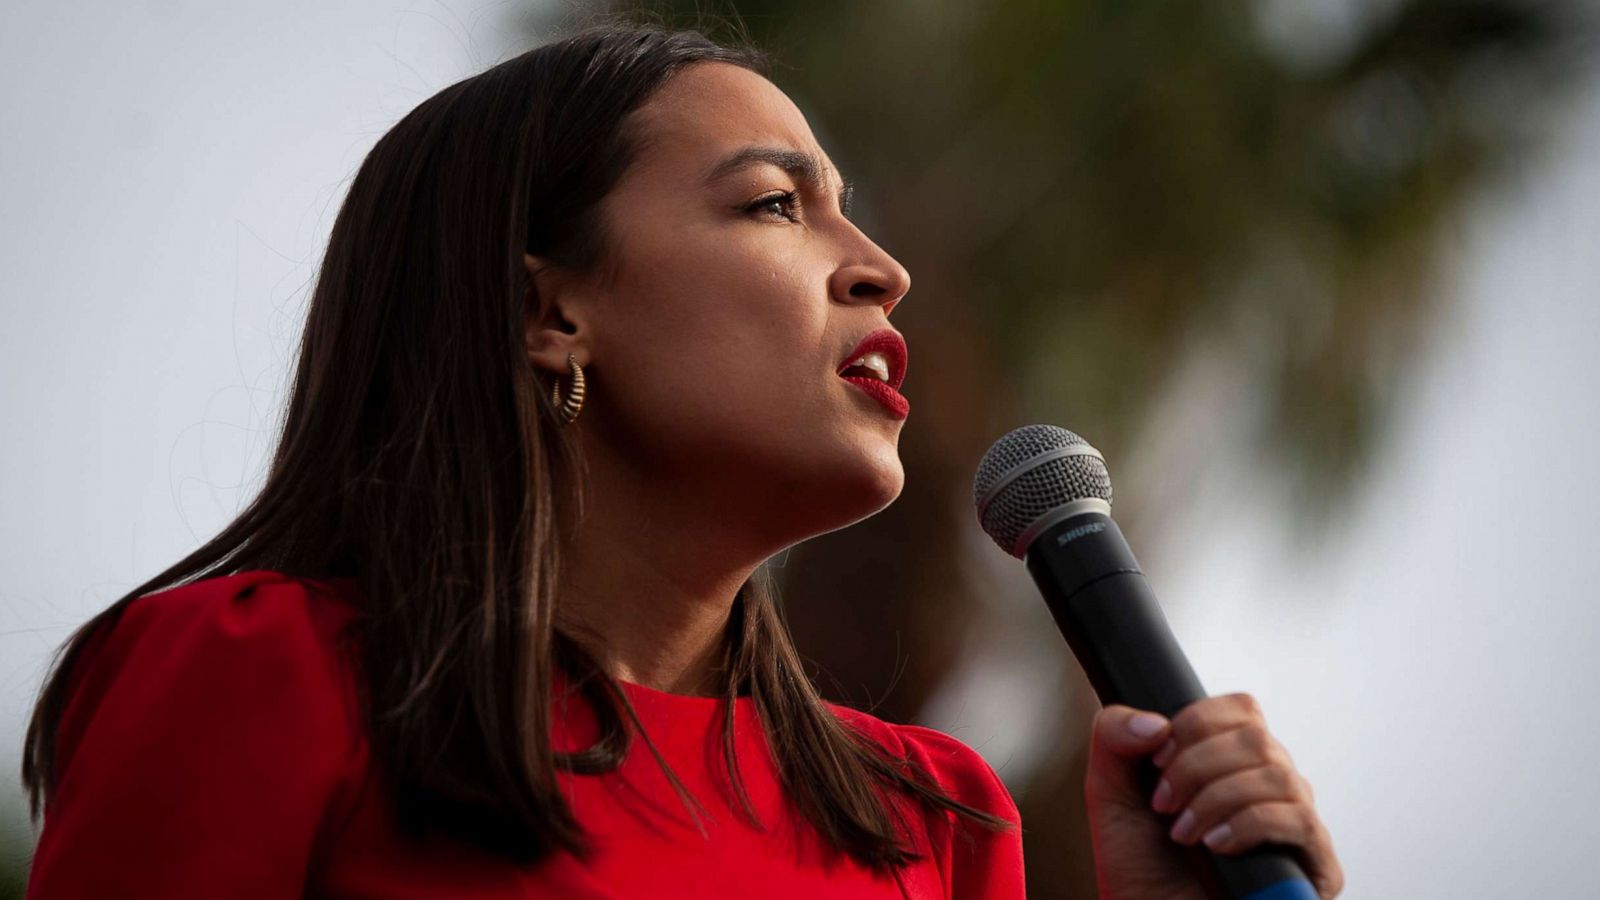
x: 790, y: 199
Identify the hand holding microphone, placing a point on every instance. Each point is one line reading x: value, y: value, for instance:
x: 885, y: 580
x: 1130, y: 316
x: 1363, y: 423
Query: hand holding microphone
x: 1186, y: 793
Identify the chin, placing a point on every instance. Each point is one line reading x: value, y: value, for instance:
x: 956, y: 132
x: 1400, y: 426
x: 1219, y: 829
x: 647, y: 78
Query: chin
x: 893, y: 481
x: 880, y: 479
x: 825, y: 493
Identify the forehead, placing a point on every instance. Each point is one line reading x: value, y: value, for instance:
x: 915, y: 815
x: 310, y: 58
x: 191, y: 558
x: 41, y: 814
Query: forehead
x: 710, y: 110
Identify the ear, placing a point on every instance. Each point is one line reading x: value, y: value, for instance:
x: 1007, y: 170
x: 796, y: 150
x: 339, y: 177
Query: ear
x: 555, y: 315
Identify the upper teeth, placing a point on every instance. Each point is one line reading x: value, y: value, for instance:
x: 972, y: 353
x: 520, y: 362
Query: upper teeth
x: 877, y: 362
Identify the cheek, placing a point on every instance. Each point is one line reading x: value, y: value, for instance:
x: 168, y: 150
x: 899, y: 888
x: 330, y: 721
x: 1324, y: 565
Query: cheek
x: 729, y: 370
x: 760, y: 419
x: 732, y: 333
x: 718, y: 352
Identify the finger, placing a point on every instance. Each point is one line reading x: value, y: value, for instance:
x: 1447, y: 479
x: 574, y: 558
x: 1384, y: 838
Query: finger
x: 1214, y: 715
x: 1127, y: 732
x: 1222, y: 799
x: 1119, y: 736
x: 1293, y: 824
x: 1191, y: 769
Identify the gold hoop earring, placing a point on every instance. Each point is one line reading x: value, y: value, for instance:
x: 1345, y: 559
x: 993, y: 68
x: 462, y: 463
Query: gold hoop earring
x: 574, y: 403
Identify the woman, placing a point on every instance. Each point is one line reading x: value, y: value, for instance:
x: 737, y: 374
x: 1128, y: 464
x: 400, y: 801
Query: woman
x: 594, y: 338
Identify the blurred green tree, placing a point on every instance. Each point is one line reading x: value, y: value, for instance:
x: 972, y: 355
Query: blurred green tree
x: 16, y: 847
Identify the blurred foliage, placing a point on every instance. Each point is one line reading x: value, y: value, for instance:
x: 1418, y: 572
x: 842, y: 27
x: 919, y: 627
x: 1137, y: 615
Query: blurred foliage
x: 1089, y: 193
x: 1085, y: 186
x: 16, y: 847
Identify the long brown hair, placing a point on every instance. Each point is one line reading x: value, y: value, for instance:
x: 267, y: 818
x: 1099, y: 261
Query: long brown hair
x: 421, y: 454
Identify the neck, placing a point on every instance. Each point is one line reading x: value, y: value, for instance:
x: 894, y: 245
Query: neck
x: 651, y: 579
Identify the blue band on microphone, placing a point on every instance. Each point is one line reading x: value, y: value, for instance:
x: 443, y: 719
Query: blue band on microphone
x: 1293, y: 889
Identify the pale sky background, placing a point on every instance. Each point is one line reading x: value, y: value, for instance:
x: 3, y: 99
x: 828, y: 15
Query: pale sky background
x: 169, y: 175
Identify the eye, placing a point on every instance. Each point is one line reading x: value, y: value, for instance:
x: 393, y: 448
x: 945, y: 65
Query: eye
x: 788, y: 201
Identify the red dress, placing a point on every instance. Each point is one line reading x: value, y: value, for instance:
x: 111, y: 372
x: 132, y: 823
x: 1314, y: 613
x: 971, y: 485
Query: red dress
x: 212, y: 748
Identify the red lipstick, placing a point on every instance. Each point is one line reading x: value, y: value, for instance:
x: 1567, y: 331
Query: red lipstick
x: 893, y: 347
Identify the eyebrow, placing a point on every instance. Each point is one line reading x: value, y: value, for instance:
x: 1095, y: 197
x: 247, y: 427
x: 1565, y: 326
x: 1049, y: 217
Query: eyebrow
x: 797, y: 163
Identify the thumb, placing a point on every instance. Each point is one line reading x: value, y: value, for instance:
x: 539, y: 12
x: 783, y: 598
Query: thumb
x: 1121, y: 735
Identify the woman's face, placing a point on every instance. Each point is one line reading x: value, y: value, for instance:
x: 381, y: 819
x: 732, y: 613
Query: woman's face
x: 714, y: 350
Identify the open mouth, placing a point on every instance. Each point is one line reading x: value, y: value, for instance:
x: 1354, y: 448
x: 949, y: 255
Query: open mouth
x: 877, y: 366
x: 881, y: 355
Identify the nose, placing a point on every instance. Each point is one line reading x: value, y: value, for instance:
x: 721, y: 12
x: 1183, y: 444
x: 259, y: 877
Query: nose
x: 880, y: 279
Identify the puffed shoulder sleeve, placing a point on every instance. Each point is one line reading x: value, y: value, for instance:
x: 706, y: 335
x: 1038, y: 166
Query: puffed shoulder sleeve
x: 978, y: 863
x: 209, y: 742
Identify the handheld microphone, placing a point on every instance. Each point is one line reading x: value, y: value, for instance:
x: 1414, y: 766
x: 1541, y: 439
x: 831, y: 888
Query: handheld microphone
x: 1044, y: 496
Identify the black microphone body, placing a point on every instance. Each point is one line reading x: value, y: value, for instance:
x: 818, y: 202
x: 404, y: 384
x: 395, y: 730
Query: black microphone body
x: 1106, y: 610
x: 1109, y: 616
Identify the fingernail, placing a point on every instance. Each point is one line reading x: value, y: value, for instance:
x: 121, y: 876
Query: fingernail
x: 1218, y: 836
x: 1181, y: 829
x: 1146, y: 725
x: 1165, y: 754
x: 1162, y: 797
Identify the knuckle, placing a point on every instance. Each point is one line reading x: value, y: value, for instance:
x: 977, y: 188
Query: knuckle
x: 1256, y: 740
x: 1189, y: 721
x: 1180, y: 781
x: 1276, y: 755
x: 1310, y: 826
x: 1221, y: 798
x: 1248, y: 824
x: 1247, y: 704
x: 1302, y: 788
x: 1329, y: 875
x: 1184, y: 771
x: 1282, y: 782
x: 1205, y: 803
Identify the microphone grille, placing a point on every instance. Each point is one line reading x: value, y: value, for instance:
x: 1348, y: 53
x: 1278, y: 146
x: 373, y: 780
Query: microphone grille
x: 1031, y: 472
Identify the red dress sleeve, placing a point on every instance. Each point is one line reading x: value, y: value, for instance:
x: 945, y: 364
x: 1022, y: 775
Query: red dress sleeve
x: 208, y: 749
x: 976, y: 862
